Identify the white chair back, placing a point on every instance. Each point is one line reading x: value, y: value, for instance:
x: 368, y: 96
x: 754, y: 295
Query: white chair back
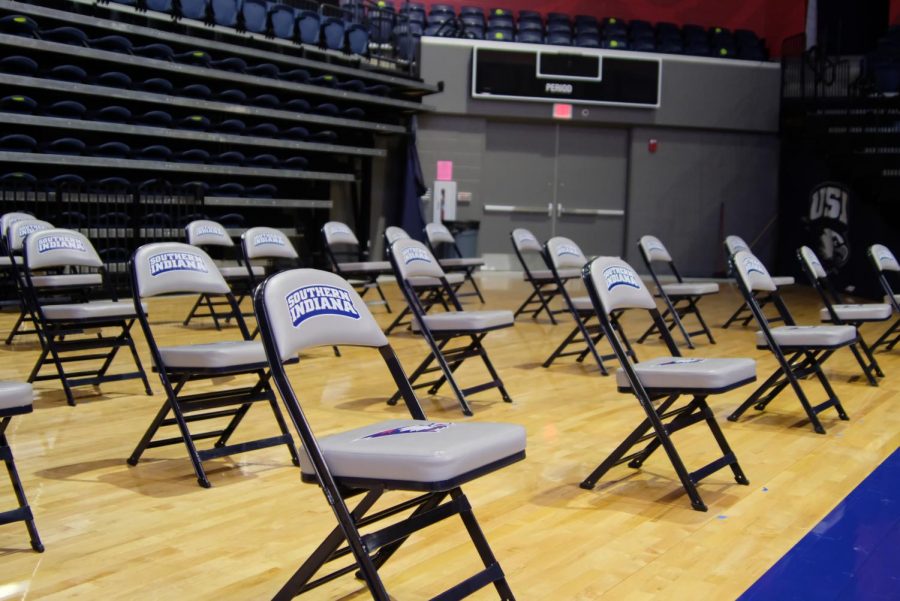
x: 204, y: 232
x: 735, y: 244
x: 49, y: 248
x: 565, y: 254
x: 413, y: 259
x: 18, y: 230
x: 884, y: 258
x: 654, y: 249
x: 438, y: 234
x: 752, y: 272
x: 618, y: 286
x: 525, y: 241
x: 267, y: 243
x: 175, y: 267
x: 812, y: 262
x: 339, y: 233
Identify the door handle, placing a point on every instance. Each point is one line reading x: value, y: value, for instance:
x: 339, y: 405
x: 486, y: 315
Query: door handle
x: 549, y: 209
x: 559, y: 210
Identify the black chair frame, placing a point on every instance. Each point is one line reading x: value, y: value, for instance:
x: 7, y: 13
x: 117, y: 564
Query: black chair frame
x: 23, y: 512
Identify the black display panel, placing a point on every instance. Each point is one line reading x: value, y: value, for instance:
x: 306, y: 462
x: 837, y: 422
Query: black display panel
x: 515, y: 74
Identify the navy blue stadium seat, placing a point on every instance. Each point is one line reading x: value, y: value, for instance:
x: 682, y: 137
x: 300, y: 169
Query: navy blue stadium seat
x: 230, y: 126
x: 18, y: 65
x: 693, y: 34
x: 529, y: 15
x: 471, y: 11
x: 198, y: 122
x: 194, y: 9
x: 499, y: 35
x: 262, y: 130
x: 67, y: 181
x: 113, y: 150
x: 351, y: 85
x: 377, y: 89
x: 530, y: 37
x: 264, y: 70
x: 69, y: 109
x: 19, y: 25
x: 154, y: 152
x: 154, y: 118
x: 670, y: 45
x: 697, y: 47
x: 266, y: 100
x: 227, y: 189
x: 163, y: 6
x: 196, y: 90
x: 113, y: 113
x: 638, y: 27
x: 531, y: 26
x: 126, y: 2
x: 469, y: 20
x: 191, y: 155
x: 587, y: 40
x: 501, y: 22
x: 295, y: 75
x: 616, y: 43
x: 232, y: 63
x: 157, y: 51
x: 326, y: 108
x: 441, y: 9
x: 298, y: 105
x: 308, y: 27
x: 225, y: 12
x: 255, y: 15
x: 18, y: 103
x: 68, y: 219
x: 559, y: 38
x: 358, y: 39
x: 260, y: 191
x: 265, y: 160
x: 664, y: 29
x: 380, y: 27
x: 112, y: 43
x: 354, y: 112
x: 559, y: 27
x: 298, y: 163
x: 333, y: 33
x: 326, y: 136
x: 68, y: 145
x: 406, y: 40
x: 643, y: 44
x: 283, y: 19
x: 614, y: 28
x: 559, y: 18
x: 231, y: 96
x: 474, y: 32
x: 113, y: 79
x: 752, y: 53
x: 17, y: 180
x: 194, y: 57
x: 194, y: 188
x: 586, y: 20
x: 65, y: 35
x: 157, y: 85
x: 71, y: 73
x: 229, y: 157
x: 298, y: 132
x: 439, y: 19
x: 326, y: 80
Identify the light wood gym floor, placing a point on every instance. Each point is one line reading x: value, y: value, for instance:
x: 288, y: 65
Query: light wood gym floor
x: 150, y: 532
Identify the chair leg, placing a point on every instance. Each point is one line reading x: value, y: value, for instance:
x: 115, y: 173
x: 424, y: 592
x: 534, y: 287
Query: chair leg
x: 472, y: 281
x: 23, y: 513
x: 884, y: 338
x: 15, y: 329
x: 867, y: 368
x: 696, y: 311
x: 738, y: 314
x: 490, y: 367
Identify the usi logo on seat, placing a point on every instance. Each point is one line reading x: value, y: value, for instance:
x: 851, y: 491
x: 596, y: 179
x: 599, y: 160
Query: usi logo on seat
x: 312, y: 301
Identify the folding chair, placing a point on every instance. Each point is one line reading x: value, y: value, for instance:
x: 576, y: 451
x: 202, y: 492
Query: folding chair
x: 304, y: 308
x: 412, y: 259
x: 430, y: 290
x: 799, y: 350
x: 836, y: 312
x: 563, y: 257
x: 341, y: 243
x: 543, y: 284
x: 732, y: 245
x: 13, y: 240
x: 63, y: 327
x: 204, y: 233
x: 16, y: 399
x: 679, y: 297
x: 658, y: 383
x: 176, y: 268
x: 885, y: 261
x: 439, y: 238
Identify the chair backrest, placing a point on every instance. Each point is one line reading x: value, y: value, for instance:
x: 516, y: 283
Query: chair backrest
x: 204, y: 232
x: 18, y: 230
x: 883, y: 258
x: 56, y: 247
x: 8, y: 219
x: 267, y: 243
x: 306, y: 308
x: 735, y: 244
x: 336, y: 232
x: 563, y: 253
x: 525, y: 241
x: 393, y: 233
x: 412, y: 259
x: 654, y: 250
x: 617, y: 285
x: 812, y: 263
x: 174, y: 267
x: 752, y: 272
x: 438, y: 233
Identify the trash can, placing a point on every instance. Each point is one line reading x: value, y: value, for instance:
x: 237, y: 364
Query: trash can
x: 466, y: 235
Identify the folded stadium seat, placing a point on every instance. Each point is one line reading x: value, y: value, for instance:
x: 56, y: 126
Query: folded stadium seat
x: 230, y: 126
x: 618, y: 43
x: 154, y: 118
x: 587, y: 40
x: 470, y: 20
x: 229, y: 157
x: 112, y: 43
x: 229, y: 189
x: 18, y: 65
x: 325, y: 136
x: 113, y: 79
x: 638, y: 27
x: 263, y: 70
x: 499, y: 35
x: 18, y: 143
x: 156, y: 85
x: 377, y: 89
x: 326, y: 108
x: 197, y: 10
x: 471, y: 11
x: 232, y: 220
x: 255, y: 16
x: 501, y: 22
x: 297, y: 163
x: 67, y: 182
x: 295, y: 75
x: 298, y: 105
x: 559, y: 18
x: 65, y: 35
x: 71, y: 219
x: 283, y: 19
x: 358, y: 39
x: 643, y: 44
x: 692, y: 32
x: 262, y: 130
x: 529, y: 15
x: 559, y: 38
x: 670, y: 45
x: 333, y: 33
x: 17, y: 180
x: 191, y: 155
x: 195, y: 188
x: 724, y: 50
x: 530, y: 25
x: 745, y: 37
x: 196, y: 90
x: 157, y: 51
x: 441, y: 9
x: 269, y: 101
x: 308, y: 27
x: 231, y: 96
x: 19, y: 25
x: 260, y: 191
x: 351, y: 85
x: 232, y: 63
x: 68, y: 146
x: 298, y: 132
x: 154, y: 152
x: 269, y: 161
x: 71, y: 73
x: 225, y: 12
x: 194, y: 57
x: 163, y: 6
x: 559, y: 27
x: 474, y: 32
x: 114, y: 150
x: 18, y: 103
x: 499, y: 12
x: 406, y: 43
x: 381, y: 23
x: 108, y: 185
x: 112, y: 114
x: 439, y: 20
x: 354, y: 112
x: 752, y: 53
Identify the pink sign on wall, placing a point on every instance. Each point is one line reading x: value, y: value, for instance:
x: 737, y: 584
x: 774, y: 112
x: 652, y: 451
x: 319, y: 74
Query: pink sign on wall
x: 445, y: 171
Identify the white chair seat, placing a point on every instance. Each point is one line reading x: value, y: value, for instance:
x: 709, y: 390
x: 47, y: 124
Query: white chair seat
x: 782, y: 280
x: 423, y: 282
x: 15, y: 394
x: 690, y: 288
x: 866, y: 312
x: 461, y: 262
x: 91, y: 310
x: 66, y: 279
x: 417, y: 451
x: 690, y: 373
x: 582, y: 303
x: 5, y: 262
x: 466, y: 320
x: 809, y: 336
x: 365, y: 266
x: 546, y: 274
x: 212, y: 355
x: 887, y: 298
x: 239, y: 271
